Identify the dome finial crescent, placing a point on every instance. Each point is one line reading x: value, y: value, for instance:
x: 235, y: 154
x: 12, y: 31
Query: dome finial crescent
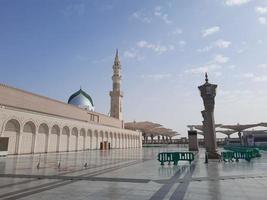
x: 206, y: 77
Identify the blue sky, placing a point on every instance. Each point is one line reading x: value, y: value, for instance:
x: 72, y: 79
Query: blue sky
x: 52, y: 47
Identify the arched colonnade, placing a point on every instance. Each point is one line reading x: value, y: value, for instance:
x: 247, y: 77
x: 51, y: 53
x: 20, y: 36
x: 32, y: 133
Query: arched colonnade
x: 30, y: 136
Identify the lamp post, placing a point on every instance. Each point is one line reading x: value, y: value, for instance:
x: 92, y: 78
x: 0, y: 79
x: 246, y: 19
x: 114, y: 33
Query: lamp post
x: 208, y: 93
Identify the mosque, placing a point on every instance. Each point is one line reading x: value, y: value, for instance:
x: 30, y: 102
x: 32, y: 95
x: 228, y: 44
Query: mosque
x: 31, y: 123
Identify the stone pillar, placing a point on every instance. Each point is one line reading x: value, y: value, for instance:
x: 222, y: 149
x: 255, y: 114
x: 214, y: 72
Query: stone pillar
x: 34, y: 139
x: 152, y: 139
x: 18, y: 142
x: 140, y: 145
x: 47, y: 141
x: 240, y: 138
x: 59, y: 140
x: 208, y: 93
x: 193, y: 141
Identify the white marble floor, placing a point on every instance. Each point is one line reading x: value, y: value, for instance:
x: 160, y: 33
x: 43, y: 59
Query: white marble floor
x: 129, y: 174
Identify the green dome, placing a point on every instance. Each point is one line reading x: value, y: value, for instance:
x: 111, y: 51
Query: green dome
x: 81, y: 99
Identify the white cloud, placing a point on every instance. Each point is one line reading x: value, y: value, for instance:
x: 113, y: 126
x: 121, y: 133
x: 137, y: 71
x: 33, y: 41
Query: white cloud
x: 222, y: 43
x: 129, y: 54
x: 262, y: 66
x: 210, y: 31
x: 262, y: 20
x: 197, y: 70
x: 255, y: 78
x: 155, y: 47
x: 203, y: 69
x: 231, y: 66
x: 259, y: 41
x: 141, y: 17
x: 261, y: 10
x: 132, y: 54
x: 236, y: 2
x: 74, y: 9
x: 212, y: 66
x: 260, y: 78
x: 221, y: 59
x: 158, y: 13
x: 217, y: 73
x: 205, y: 49
x: 176, y: 31
x: 247, y: 75
x: 157, y: 77
x: 182, y: 43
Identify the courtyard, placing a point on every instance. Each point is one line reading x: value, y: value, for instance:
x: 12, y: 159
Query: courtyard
x: 129, y: 174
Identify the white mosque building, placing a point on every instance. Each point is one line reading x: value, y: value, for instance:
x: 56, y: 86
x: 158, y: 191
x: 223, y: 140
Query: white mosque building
x: 31, y: 123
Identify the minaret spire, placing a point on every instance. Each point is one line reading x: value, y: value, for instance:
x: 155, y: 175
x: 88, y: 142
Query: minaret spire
x: 117, y: 60
x: 116, y: 94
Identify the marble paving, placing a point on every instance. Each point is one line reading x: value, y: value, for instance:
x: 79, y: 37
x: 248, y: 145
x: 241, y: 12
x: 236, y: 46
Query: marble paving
x: 129, y: 174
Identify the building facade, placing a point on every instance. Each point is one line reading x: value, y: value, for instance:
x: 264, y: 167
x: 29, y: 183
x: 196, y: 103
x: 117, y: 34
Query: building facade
x: 30, y: 123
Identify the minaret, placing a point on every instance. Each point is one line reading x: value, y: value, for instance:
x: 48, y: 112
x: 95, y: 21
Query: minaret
x: 116, y: 94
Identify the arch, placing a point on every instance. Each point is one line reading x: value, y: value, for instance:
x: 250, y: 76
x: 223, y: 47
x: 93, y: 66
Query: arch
x: 28, y: 137
x: 64, y: 140
x: 54, y: 139
x: 106, y: 134
x: 101, y: 134
x: 81, y: 139
x: 12, y: 131
x: 42, y: 138
x: 29, y: 127
x: 12, y: 125
x: 73, y: 140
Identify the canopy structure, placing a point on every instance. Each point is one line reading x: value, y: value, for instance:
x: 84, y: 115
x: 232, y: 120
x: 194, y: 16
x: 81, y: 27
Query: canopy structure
x: 151, y: 129
x: 226, y: 132
x: 200, y: 127
x: 239, y: 128
x: 264, y: 124
x: 142, y: 126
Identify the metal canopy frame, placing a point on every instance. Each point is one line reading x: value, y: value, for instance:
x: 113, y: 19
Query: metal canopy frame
x: 150, y: 128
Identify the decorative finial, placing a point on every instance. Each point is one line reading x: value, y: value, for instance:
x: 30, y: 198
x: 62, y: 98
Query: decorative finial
x: 117, y: 55
x: 117, y: 60
x: 80, y: 87
x: 206, y: 77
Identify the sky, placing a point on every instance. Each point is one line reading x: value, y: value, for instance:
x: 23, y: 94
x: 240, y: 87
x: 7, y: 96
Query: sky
x: 165, y: 46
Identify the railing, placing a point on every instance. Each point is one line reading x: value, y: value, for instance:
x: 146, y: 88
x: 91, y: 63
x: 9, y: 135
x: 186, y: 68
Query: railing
x: 175, y: 157
x: 246, y: 153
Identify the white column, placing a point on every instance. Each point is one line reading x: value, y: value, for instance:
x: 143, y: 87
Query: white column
x: 59, y: 140
x: 47, y: 141
x: 18, y: 141
x: 77, y: 142
x: 68, y: 142
x: 34, y: 138
x: 91, y: 138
